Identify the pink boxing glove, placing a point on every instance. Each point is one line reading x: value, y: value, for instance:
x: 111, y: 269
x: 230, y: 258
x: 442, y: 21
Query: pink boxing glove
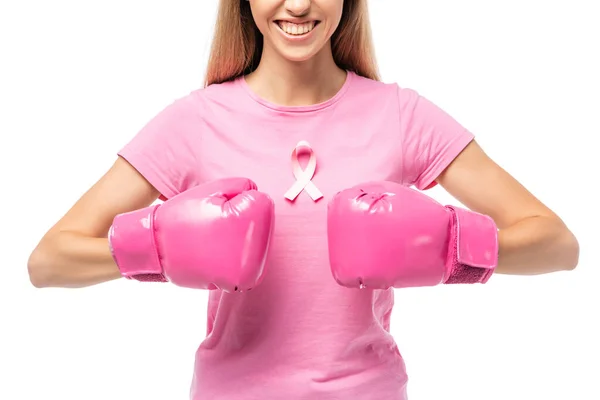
x: 213, y: 236
x: 383, y: 235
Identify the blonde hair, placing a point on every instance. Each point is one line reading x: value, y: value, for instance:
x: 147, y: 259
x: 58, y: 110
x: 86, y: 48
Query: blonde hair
x: 237, y: 43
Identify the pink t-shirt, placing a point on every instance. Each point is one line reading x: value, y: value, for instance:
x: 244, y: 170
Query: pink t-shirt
x: 298, y: 335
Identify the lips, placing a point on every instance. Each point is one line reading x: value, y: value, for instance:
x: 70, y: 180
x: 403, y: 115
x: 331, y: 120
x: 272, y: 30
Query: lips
x: 296, y: 29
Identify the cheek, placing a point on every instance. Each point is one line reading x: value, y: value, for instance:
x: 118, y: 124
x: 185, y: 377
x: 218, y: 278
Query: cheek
x: 260, y: 19
x: 263, y: 27
x: 334, y: 16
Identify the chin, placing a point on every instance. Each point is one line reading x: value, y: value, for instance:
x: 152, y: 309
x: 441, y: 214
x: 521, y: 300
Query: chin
x: 297, y: 55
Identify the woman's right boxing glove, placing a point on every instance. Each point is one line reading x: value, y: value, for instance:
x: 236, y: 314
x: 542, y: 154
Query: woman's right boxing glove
x: 213, y: 236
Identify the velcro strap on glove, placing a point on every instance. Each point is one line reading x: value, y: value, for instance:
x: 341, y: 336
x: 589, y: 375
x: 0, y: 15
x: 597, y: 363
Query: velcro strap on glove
x: 472, y: 249
x: 132, y: 244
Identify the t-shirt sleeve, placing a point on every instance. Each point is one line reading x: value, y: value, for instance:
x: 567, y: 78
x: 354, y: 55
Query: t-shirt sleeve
x: 431, y: 139
x: 163, y: 151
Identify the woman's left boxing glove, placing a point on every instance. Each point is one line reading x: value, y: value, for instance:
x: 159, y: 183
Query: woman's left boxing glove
x: 215, y: 235
x: 383, y: 235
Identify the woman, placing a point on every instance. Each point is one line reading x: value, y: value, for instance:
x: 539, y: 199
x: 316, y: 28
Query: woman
x: 288, y: 78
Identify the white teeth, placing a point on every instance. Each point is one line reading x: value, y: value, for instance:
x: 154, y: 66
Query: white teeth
x: 296, y: 29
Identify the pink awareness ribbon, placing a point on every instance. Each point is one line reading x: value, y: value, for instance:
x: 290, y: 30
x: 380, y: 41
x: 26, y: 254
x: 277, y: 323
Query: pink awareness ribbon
x: 303, y: 177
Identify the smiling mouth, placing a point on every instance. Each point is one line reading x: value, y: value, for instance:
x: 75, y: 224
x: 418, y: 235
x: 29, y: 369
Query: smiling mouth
x: 293, y: 29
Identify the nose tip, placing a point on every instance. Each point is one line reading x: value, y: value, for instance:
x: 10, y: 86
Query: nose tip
x: 297, y: 8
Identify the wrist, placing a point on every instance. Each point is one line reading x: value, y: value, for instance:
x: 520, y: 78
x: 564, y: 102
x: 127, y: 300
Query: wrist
x: 132, y: 245
x: 472, y: 248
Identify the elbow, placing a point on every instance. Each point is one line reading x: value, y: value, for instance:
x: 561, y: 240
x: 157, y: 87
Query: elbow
x: 570, y: 251
x: 39, y: 268
x: 561, y: 247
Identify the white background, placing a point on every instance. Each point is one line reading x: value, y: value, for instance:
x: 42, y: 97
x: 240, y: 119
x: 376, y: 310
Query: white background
x: 79, y: 78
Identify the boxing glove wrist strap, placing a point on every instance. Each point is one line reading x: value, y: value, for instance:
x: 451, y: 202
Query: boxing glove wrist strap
x: 473, y: 247
x: 133, y: 246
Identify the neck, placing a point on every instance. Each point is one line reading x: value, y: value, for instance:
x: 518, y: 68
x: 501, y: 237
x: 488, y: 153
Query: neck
x: 290, y: 83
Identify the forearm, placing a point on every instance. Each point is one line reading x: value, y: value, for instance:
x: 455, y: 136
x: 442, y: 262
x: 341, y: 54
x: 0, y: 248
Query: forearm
x: 72, y: 260
x: 537, y: 245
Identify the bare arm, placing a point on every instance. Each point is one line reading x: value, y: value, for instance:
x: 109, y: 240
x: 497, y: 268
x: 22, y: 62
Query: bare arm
x: 533, y: 239
x: 75, y: 251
